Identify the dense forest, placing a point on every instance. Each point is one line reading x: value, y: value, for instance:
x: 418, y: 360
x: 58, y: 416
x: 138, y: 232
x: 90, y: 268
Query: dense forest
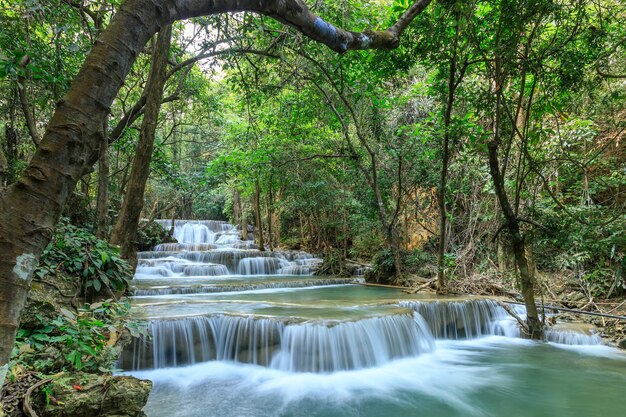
x: 454, y: 148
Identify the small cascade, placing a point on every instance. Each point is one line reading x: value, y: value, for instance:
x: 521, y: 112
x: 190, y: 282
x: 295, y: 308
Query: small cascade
x: 293, y: 347
x: 236, y: 261
x: 571, y: 337
x: 573, y: 334
x: 245, y: 245
x: 258, y: 266
x: 294, y: 270
x: 471, y: 319
x: 179, y: 247
x: 465, y: 319
x: 200, y: 289
x: 205, y: 270
x: 200, y: 339
x: 317, y: 347
x: 194, y: 233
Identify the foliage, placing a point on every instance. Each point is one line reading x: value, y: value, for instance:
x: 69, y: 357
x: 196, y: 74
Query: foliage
x: 148, y: 236
x: 85, y: 340
x: 76, y: 252
x: 414, y: 261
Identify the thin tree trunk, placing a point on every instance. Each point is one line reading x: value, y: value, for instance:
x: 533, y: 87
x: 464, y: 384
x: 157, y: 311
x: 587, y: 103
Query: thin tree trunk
x: 258, y: 230
x: 394, y: 244
x: 344, y: 227
x: 124, y: 233
x: 237, y: 215
x: 535, y: 327
x: 270, y: 232
x: 453, y: 83
x: 27, y: 111
x: 102, y: 206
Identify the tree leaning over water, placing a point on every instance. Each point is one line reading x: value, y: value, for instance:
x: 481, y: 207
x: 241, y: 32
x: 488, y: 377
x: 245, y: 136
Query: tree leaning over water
x: 30, y: 208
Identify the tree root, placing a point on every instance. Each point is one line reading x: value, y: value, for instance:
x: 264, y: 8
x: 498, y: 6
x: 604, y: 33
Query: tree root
x: 28, y: 409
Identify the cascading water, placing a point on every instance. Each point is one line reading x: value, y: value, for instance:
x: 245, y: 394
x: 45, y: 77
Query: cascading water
x: 352, y: 345
x: 466, y: 319
x: 293, y: 347
x: 226, y: 320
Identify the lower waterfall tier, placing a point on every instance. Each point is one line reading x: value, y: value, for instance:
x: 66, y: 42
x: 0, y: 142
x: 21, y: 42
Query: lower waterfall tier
x: 327, y: 345
x: 295, y: 347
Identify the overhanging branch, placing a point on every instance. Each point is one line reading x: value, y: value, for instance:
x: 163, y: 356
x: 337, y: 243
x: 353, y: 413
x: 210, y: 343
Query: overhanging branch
x: 296, y: 14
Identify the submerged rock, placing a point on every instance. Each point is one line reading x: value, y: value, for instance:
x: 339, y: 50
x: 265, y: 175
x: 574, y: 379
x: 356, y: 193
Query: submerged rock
x: 622, y: 344
x: 86, y: 395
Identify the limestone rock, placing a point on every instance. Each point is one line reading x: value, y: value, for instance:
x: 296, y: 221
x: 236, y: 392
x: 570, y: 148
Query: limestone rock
x: 86, y: 395
x: 45, y: 300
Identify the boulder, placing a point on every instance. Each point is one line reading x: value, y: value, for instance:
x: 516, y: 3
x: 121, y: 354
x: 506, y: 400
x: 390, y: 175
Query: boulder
x: 46, y: 298
x: 86, y: 395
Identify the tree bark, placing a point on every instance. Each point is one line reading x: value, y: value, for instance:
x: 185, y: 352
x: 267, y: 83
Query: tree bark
x: 124, y: 233
x: 258, y: 230
x: 102, y: 206
x: 30, y: 208
x: 31, y: 125
x: 270, y: 232
x: 535, y: 328
x: 443, y: 215
x: 517, y: 241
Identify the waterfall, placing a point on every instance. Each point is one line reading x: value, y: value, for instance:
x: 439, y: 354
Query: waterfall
x: 477, y: 318
x: 341, y: 332
x: 206, y: 243
x: 179, y: 247
x: 464, y: 319
x: 205, y: 270
x: 295, y: 270
x: 318, y: 347
x: 294, y: 347
x: 200, y: 339
x: 258, y: 266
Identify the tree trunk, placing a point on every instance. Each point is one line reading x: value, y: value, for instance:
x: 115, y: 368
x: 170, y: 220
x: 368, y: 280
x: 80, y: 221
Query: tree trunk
x: 102, y: 206
x: 124, y: 233
x: 394, y: 245
x: 443, y: 215
x: 237, y: 215
x: 512, y: 224
x: 270, y: 231
x: 28, y: 115
x: 258, y: 229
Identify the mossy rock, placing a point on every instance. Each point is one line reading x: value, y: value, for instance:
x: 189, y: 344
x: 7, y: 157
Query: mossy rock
x: 86, y: 395
x: 622, y: 344
x: 46, y: 299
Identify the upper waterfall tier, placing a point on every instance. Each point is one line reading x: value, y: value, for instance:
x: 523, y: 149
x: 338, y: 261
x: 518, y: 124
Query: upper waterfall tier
x: 209, y: 248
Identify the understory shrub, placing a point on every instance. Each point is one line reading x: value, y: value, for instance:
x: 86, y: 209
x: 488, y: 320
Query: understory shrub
x: 76, y: 252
